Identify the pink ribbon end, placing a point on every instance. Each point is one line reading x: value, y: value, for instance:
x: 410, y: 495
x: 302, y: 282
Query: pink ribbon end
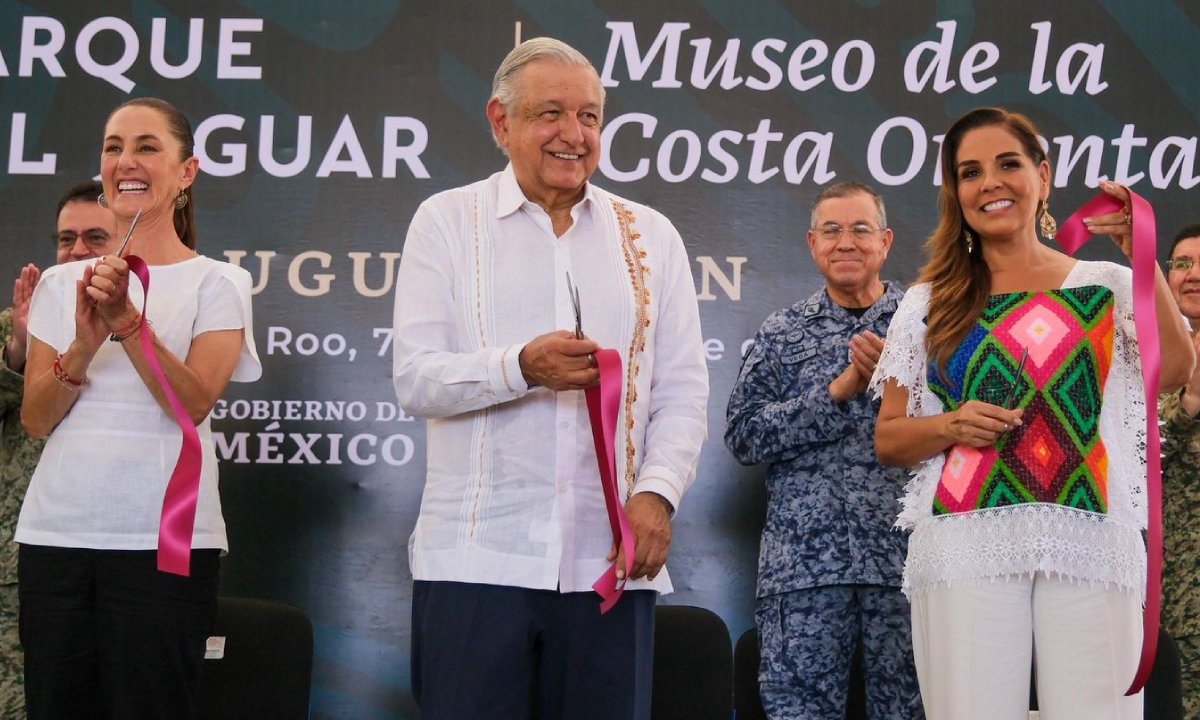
x: 604, y: 404
x: 178, y: 518
x: 1071, y: 237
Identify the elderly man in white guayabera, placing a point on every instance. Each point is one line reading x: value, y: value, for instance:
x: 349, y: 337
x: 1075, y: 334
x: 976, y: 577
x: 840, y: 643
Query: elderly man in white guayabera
x: 513, y: 528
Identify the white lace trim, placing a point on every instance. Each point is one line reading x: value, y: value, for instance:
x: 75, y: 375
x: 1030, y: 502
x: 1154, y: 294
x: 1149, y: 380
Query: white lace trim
x: 1023, y: 540
x: 904, y: 360
x: 1122, y: 428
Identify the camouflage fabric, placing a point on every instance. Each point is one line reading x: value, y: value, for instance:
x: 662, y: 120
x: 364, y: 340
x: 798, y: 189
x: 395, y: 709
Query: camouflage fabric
x: 1189, y: 659
x: 807, y: 640
x: 18, y: 456
x: 832, y: 505
x: 830, y: 563
x: 1181, y: 539
x: 12, y: 661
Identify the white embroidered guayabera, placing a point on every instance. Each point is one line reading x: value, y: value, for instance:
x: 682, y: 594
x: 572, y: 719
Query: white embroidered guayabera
x: 1028, y: 538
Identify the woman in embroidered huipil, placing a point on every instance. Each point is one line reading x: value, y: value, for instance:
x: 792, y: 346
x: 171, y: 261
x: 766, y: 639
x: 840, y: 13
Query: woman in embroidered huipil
x: 1011, y: 384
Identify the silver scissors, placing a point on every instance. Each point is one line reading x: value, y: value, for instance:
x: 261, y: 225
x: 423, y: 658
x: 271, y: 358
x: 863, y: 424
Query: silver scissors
x: 1012, y: 393
x: 574, y: 293
x: 128, y: 235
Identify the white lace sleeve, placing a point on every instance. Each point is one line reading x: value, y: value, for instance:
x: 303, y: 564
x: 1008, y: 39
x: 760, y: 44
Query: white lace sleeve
x: 904, y: 360
x: 903, y: 357
x: 1123, y: 415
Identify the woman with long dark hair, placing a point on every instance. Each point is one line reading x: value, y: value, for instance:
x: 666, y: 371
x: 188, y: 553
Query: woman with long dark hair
x: 1011, y: 383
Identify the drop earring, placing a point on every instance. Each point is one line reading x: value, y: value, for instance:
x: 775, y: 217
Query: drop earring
x: 970, y: 240
x: 1048, y: 224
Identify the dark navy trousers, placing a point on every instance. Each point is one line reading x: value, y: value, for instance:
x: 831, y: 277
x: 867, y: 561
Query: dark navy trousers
x: 490, y: 652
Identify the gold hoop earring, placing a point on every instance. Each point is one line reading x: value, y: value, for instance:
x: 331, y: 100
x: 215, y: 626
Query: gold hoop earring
x: 1048, y: 224
x: 102, y: 201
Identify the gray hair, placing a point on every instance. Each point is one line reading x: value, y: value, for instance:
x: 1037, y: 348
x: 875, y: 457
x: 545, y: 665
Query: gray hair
x: 846, y: 189
x: 505, y: 87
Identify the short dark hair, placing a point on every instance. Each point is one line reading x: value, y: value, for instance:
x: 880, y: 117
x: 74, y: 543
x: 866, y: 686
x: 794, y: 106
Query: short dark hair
x: 1189, y: 231
x: 86, y: 191
x: 846, y: 189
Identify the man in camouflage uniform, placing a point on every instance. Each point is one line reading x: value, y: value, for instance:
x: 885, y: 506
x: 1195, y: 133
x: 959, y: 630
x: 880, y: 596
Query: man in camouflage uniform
x: 1181, y: 481
x: 85, y: 230
x: 830, y: 564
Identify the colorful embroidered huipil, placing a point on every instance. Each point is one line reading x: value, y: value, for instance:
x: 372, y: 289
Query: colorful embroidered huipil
x: 1056, y: 455
x: 1064, y: 492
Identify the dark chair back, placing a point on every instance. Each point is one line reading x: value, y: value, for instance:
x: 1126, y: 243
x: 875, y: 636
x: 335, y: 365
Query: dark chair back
x: 259, y: 663
x: 693, y: 665
x: 747, y: 703
x: 1163, y: 698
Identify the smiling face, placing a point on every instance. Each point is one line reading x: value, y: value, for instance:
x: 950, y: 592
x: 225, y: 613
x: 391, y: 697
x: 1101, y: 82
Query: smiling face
x: 85, y: 230
x: 999, y: 185
x: 142, y: 165
x: 552, y: 134
x: 1185, y: 284
x: 850, y: 264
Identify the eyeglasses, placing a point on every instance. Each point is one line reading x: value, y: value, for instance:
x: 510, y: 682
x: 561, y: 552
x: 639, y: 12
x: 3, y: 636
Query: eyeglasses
x: 96, y: 238
x: 833, y: 231
x: 1182, y: 264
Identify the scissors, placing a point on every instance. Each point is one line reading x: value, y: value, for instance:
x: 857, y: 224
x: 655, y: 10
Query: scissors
x: 128, y: 235
x: 574, y: 293
x: 1012, y: 393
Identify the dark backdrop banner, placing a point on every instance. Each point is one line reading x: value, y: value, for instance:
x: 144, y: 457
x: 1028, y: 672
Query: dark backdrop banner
x: 321, y: 126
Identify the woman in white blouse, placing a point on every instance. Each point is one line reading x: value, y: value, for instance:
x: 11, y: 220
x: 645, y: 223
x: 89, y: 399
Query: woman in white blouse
x: 1011, y: 383
x: 106, y: 633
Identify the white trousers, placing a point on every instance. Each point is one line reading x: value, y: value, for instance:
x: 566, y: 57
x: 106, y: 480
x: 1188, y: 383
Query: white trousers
x: 973, y: 643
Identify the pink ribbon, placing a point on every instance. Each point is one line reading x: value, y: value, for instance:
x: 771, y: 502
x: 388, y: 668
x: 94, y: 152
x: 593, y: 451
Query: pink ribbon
x: 604, y: 404
x: 1071, y: 237
x: 179, y: 502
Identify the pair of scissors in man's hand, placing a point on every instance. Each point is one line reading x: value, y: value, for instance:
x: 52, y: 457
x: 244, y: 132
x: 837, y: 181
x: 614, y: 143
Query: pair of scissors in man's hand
x: 574, y: 293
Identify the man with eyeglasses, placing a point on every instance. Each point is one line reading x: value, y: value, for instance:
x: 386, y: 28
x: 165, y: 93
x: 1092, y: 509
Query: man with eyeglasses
x: 85, y: 230
x: 829, y: 563
x: 1181, y: 480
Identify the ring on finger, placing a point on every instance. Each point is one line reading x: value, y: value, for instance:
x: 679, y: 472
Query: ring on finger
x: 1128, y: 219
x: 591, y: 359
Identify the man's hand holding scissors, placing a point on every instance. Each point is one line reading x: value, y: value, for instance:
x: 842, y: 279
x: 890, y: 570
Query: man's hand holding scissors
x: 561, y: 360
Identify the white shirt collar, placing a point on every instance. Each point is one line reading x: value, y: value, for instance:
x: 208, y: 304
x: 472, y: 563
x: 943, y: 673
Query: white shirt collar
x: 510, y: 198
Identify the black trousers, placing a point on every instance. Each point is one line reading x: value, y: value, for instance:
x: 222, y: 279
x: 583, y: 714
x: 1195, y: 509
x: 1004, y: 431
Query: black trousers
x: 488, y: 652
x: 106, y: 635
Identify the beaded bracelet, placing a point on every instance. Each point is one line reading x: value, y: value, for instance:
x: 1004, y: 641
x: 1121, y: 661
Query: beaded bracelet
x: 64, y: 379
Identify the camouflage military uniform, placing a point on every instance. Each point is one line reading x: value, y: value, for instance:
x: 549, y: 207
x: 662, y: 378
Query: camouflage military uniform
x: 830, y: 563
x: 18, y: 457
x: 1181, y: 541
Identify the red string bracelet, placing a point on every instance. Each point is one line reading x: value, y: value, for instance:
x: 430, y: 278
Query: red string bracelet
x: 64, y: 379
